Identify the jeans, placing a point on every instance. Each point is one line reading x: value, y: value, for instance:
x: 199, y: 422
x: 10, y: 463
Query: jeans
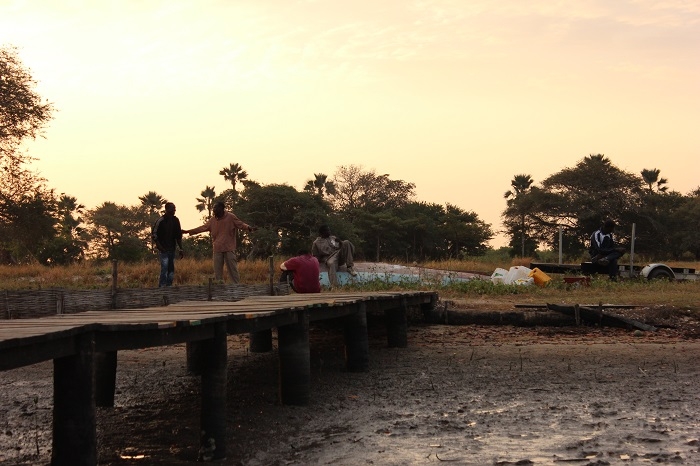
x: 167, y: 268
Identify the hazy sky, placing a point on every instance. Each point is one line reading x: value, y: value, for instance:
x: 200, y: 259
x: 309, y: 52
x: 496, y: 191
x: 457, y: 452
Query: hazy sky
x: 455, y: 96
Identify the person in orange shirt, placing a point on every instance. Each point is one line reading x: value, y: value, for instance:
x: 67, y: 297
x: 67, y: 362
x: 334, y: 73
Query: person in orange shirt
x: 223, y: 227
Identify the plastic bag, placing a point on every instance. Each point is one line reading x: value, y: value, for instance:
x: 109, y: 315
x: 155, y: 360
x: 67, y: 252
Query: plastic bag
x: 498, y: 276
x: 516, y: 273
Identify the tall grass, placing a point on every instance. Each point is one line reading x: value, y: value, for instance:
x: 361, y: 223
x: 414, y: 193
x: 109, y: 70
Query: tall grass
x: 477, y: 293
x: 98, y: 274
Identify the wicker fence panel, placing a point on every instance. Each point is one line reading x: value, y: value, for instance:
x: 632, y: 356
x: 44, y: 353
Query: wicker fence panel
x: 41, y: 303
x: 73, y: 301
x: 24, y: 304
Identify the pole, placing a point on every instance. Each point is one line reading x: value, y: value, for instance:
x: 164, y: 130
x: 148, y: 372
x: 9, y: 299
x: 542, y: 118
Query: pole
x: 114, y: 283
x: 634, y: 228
x: 561, y: 246
x: 272, y: 275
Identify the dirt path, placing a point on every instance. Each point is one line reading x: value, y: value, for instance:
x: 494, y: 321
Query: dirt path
x: 468, y: 395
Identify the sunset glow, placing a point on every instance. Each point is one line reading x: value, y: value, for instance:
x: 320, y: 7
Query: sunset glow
x: 456, y: 97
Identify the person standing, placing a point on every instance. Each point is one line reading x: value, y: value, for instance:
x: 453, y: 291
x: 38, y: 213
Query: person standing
x: 333, y: 252
x: 223, y: 227
x: 167, y: 236
x: 604, y: 250
x: 304, y: 270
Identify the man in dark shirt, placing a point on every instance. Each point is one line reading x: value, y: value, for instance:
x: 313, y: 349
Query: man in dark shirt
x: 604, y: 251
x: 167, y: 235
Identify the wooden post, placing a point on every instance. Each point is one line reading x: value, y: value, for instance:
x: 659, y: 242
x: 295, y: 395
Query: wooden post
x: 114, y: 284
x: 272, y: 275
x: 428, y: 307
x: 213, y: 418
x: 74, y: 419
x: 295, y: 361
x: 577, y: 314
x: 561, y: 245
x: 260, y: 342
x: 632, y: 238
x: 105, y: 378
x: 356, y: 341
x: 193, y: 348
x: 194, y: 357
x: 7, y: 305
x: 397, y: 326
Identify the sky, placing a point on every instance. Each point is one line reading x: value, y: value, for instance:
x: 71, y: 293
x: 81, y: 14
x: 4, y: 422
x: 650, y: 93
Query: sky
x: 455, y: 96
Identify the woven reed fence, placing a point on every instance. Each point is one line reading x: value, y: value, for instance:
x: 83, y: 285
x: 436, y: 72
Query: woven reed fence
x: 40, y: 303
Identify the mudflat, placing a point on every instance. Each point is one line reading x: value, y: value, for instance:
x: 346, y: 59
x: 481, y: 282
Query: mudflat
x: 472, y: 395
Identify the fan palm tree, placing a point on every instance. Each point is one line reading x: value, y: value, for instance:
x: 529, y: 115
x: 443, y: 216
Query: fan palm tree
x: 651, y: 178
x: 233, y: 173
x: 206, y: 202
x: 152, y: 202
x: 521, y: 185
x: 320, y: 185
x: 70, y: 214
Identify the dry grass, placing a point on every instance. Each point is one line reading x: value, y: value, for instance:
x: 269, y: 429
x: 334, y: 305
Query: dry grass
x: 681, y: 295
x: 130, y: 275
x: 485, y: 266
x: 657, y: 293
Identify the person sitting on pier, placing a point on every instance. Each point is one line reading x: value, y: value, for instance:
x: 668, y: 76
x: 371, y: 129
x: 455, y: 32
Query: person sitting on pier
x: 302, y: 272
x: 604, y: 250
x: 333, y: 252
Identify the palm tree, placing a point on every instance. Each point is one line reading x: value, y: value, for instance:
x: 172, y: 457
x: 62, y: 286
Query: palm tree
x: 153, y: 203
x: 651, y: 178
x: 233, y: 173
x: 320, y: 185
x: 521, y: 185
x: 67, y: 207
x: 206, y: 202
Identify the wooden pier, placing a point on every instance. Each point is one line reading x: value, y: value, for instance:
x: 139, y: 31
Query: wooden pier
x: 84, y: 349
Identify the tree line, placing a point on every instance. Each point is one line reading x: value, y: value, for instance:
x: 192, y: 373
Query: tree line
x: 378, y: 213
x: 577, y: 199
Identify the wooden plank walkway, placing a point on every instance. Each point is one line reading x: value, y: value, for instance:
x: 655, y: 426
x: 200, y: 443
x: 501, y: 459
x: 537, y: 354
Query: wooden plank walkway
x: 84, y: 349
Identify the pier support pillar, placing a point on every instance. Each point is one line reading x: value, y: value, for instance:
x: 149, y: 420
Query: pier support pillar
x: 105, y: 378
x: 74, y: 419
x: 397, y: 326
x: 213, y: 418
x: 194, y: 357
x: 356, y: 341
x: 295, y: 361
x: 261, y: 342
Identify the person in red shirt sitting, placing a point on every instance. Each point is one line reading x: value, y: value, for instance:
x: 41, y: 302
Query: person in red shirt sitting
x: 304, y: 270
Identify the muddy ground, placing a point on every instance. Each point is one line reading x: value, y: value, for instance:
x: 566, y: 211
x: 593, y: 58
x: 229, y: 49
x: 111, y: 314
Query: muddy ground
x: 474, y: 395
